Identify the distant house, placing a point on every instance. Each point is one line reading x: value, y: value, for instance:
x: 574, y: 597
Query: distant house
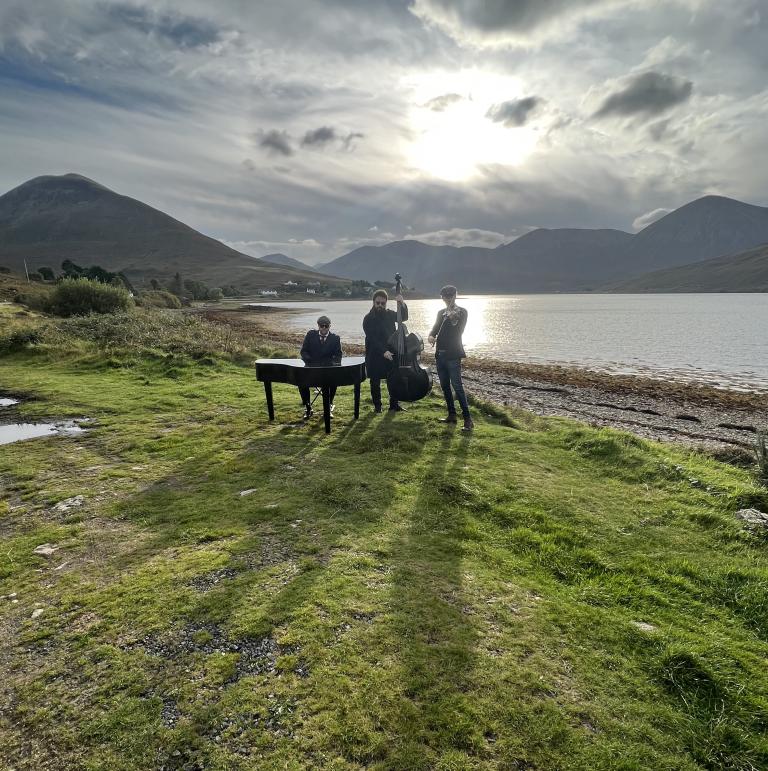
x: 310, y: 291
x: 314, y: 283
x: 272, y: 292
x: 290, y: 283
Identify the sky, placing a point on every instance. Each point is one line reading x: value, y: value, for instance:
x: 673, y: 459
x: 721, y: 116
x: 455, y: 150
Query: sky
x: 311, y: 128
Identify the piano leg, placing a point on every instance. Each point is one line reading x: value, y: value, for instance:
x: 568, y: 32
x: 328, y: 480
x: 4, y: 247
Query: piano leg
x: 357, y: 399
x: 270, y: 404
x: 327, y: 408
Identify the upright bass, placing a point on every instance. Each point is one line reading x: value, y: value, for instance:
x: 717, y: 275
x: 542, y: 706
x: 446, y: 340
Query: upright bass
x: 408, y: 380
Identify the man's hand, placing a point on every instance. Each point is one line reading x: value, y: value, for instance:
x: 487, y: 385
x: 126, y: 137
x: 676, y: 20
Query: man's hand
x: 388, y: 355
x: 431, y: 339
x: 399, y: 298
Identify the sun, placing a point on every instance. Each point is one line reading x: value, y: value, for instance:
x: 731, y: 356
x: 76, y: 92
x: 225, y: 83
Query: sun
x: 455, y: 141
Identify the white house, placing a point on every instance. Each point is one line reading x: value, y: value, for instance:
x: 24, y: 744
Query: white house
x: 311, y: 291
x: 290, y: 283
x: 269, y: 292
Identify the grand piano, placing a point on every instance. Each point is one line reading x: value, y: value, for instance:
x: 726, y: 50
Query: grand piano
x: 349, y: 371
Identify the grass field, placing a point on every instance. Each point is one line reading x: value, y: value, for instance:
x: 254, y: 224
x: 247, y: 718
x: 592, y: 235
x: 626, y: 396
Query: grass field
x: 234, y: 594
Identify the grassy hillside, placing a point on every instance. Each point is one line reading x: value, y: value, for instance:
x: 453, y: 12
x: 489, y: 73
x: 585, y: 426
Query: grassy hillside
x: 744, y: 272
x: 232, y: 594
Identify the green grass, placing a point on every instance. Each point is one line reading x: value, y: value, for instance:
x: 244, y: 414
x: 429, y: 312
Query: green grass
x: 397, y: 595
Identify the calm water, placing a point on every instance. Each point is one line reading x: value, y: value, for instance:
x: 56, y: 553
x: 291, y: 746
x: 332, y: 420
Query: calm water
x: 719, y: 339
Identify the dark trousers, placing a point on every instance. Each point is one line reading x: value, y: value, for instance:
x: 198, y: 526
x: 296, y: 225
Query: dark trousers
x: 304, y: 392
x: 449, y: 372
x: 376, y: 392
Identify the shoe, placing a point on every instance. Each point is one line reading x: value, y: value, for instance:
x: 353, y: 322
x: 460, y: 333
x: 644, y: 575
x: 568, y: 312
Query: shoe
x: 397, y: 408
x: 468, y: 424
x: 308, y: 412
x: 332, y: 407
x: 451, y: 418
x: 377, y: 408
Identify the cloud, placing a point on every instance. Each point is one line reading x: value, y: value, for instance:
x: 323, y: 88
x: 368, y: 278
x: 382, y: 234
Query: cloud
x: 647, y: 94
x: 439, y: 103
x: 468, y: 237
x: 504, y: 22
x: 327, y: 135
x: 319, y: 137
x: 649, y: 217
x: 275, y: 142
x: 515, y: 112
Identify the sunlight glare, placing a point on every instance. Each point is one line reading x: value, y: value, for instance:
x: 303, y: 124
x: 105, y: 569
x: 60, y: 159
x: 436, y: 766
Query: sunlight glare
x: 453, y: 143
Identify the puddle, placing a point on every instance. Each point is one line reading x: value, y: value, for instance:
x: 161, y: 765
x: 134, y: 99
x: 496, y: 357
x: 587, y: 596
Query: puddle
x: 17, y: 432
x: 8, y: 402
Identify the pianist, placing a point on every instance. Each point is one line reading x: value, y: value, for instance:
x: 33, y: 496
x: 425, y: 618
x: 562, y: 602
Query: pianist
x: 320, y: 347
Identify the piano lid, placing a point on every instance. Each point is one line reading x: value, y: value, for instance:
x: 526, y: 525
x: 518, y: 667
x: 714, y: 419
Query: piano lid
x: 346, y: 361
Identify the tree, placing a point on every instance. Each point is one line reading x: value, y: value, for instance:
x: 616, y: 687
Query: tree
x: 155, y: 284
x: 47, y: 274
x: 177, y: 286
x: 215, y: 294
x: 71, y: 270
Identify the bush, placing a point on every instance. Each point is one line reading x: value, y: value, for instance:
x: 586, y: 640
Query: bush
x: 160, y: 299
x: 81, y: 297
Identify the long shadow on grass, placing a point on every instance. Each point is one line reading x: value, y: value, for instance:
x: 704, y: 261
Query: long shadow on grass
x: 436, y: 636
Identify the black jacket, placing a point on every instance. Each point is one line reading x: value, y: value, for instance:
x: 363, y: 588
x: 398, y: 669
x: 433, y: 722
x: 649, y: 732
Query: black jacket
x: 315, y: 352
x: 449, y: 344
x: 378, y: 329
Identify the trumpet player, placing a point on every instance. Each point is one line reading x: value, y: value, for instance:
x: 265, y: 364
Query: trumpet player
x: 446, y: 336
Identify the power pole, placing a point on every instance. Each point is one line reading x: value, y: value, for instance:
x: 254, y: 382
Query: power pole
x: 27, y: 272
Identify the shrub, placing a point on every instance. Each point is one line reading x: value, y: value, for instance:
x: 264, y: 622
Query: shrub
x: 160, y: 299
x: 80, y: 297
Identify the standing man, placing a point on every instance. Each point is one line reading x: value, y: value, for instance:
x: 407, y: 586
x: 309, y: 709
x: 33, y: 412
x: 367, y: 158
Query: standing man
x: 320, y: 347
x: 447, y: 332
x: 379, y: 326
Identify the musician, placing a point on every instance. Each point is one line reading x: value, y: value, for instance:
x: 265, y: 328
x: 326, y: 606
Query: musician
x: 320, y: 347
x: 446, y: 333
x: 379, y: 326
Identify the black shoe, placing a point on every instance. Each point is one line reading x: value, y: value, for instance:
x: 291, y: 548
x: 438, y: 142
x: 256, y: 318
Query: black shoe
x: 468, y: 424
x: 450, y: 419
x: 307, y: 412
x: 377, y: 408
x: 396, y: 408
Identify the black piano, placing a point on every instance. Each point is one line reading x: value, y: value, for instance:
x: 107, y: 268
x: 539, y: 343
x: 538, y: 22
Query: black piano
x: 350, y: 371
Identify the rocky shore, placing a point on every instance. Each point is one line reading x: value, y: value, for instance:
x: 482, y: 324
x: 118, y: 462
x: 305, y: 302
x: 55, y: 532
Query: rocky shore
x: 720, y: 421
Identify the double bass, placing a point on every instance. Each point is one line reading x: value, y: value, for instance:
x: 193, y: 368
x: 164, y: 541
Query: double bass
x: 408, y: 380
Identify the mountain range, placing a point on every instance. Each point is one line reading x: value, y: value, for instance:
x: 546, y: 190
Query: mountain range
x: 52, y: 218
x: 570, y: 259
x: 710, y: 244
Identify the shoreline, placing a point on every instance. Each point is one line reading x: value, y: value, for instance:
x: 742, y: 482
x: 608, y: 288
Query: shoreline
x: 713, y: 419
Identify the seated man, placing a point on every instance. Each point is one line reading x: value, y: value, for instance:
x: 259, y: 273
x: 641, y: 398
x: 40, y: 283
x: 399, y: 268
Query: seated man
x: 320, y: 347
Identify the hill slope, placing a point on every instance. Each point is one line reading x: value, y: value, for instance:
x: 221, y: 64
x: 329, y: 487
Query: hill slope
x: 284, y: 259
x: 52, y: 218
x: 743, y: 272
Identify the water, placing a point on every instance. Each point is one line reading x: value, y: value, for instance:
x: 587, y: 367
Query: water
x: 8, y: 402
x: 17, y: 432
x: 719, y: 339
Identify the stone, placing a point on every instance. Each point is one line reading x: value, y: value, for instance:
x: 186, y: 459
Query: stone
x: 70, y: 503
x: 752, y: 518
x: 250, y: 490
x: 45, y: 549
x: 37, y: 612
x: 644, y: 626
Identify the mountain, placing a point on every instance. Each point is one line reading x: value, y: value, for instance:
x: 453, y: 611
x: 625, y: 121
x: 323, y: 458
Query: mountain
x: 284, y: 259
x: 540, y: 261
x: 743, y: 272
x: 712, y: 226
x: 52, y: 218
x: 567, y: 259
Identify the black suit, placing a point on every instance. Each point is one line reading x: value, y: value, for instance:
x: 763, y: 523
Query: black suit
x: 379, y: 326
x: 315, y: 350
